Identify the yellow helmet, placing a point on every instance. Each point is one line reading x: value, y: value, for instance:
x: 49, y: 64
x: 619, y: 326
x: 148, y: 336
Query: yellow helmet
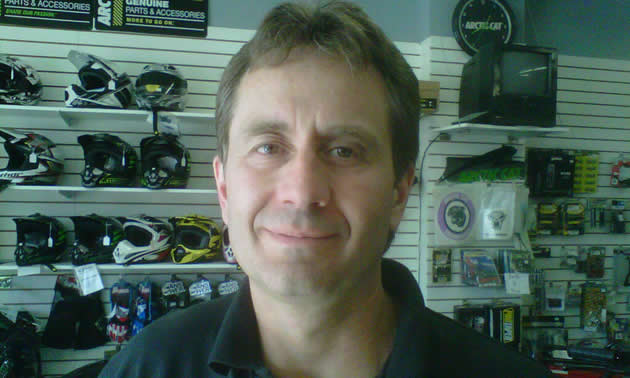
x: 197, y: 239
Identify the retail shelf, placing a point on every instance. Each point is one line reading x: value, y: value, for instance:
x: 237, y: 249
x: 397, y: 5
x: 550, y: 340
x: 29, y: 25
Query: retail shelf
x: 511, y: 131
x: 72, y: 115
x: 61, y: 268
x: 71, y: 191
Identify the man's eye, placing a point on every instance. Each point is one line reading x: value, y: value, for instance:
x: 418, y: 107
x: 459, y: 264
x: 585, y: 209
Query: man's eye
x: 267, y: 149
x: 343, y: 152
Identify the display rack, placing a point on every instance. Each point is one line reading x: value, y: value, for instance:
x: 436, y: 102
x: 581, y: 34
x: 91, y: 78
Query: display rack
x: 510, y: 131
x: 71, y: 116
x: 162, y: 267
x: 71, y: 191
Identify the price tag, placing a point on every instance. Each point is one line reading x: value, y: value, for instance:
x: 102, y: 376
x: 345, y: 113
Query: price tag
x: 29, y: 270
x: 168, y: 124
x: 89, y: 279
x: 227, y: 287
x: 517, y: 283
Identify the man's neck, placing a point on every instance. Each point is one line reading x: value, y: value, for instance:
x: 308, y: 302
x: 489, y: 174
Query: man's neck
x: 326, y: 336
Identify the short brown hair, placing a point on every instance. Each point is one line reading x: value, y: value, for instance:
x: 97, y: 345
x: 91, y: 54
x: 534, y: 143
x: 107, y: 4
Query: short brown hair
x: 338, y: 28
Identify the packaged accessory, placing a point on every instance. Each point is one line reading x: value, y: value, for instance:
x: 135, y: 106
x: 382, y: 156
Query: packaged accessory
x: 146, y: 306
x: 174, y: 294
x: 442, y: 265
x: 200, y: 290
x: 122, y: 296
x: 75, y: 321
x: 479, y: 268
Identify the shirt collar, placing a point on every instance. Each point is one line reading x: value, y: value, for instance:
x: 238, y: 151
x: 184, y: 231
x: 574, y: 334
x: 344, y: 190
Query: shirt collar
x: 238, y: 345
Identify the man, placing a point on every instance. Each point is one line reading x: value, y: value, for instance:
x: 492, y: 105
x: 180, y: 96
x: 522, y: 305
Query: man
x: 317, y: 121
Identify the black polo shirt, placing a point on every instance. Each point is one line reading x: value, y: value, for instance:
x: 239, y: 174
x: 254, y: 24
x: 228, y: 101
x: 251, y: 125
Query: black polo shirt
x: 220, y: 339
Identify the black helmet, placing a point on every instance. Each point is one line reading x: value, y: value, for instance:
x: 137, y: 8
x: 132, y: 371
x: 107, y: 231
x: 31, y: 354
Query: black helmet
x: 161, y: 87
x: 19, y: 83
x: 40, y: 240
x: 33, y: 159
x: 101, y: 86
x: 165, y: 162
x: 109, y: 161
x: 95, y: 239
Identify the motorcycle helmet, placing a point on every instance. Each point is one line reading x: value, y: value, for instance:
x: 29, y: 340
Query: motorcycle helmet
x: 109, y: 161
x: 197, y: 238
x: 19, y: 83
x: 165, y: 162
x: 146, y: 239
x: 40, y: 240
x: 161, y: 87
x: 33, y: 159
x: 228, y: 255
x: 101, y: 85
x: 95, y: 239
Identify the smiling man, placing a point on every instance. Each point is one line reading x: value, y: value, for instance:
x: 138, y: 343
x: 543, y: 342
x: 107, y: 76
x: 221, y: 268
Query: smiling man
x: 317, y: 121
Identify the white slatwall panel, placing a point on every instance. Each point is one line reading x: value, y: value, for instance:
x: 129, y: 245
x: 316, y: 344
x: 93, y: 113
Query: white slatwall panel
x: 201, y: 61
x: 594, y: 103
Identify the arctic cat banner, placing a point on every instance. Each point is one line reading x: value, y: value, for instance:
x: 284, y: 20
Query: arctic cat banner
x: 180, y: 17
x: 60, y: 14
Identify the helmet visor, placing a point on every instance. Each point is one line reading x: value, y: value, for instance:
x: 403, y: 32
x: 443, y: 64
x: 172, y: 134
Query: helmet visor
x: 138, y: 236
x: 104, y: 161
x: 191, y: 237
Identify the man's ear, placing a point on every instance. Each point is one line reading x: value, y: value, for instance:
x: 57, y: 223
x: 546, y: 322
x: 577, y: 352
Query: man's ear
x: 219, y: 177
x: 402, y: 188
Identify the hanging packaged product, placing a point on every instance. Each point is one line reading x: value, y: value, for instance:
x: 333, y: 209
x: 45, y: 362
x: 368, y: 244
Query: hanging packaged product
x: 573, y: 218
x: 620, y: 176
x: 227, y: 286
x: 476, y: 317
x: 543, y: 333
x: 548, y: 219
x: 595, y: 262
x: 555, y: 297
x: 146, y: 306
x: 593, y: 311
x: 174, y: 294
x: 479, y: 268
x: 442, y: 265
x: 75, y: 321
x: 550, y: 172
x: 200, y: 290
x: 122, y: 296
x: 586, y: 172
x: 498, y: 206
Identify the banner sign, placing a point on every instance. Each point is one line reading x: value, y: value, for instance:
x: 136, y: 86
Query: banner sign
x: 62, y: 14
x: 179, y: 17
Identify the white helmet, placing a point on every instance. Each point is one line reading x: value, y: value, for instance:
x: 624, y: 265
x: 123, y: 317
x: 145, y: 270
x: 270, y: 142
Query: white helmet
x: 146, y: 239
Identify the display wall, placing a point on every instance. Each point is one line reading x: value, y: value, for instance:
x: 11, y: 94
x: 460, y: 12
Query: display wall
x: 201, y: 61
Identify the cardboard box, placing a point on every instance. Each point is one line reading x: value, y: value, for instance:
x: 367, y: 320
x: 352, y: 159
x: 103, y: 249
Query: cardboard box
x: 429, y: 96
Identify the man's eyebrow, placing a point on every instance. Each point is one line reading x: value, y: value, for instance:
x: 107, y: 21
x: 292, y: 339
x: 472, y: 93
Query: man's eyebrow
x: 359, y: 133
x: 266, y: 127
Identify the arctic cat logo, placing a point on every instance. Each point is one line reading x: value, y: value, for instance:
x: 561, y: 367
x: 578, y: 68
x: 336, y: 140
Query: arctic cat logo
x: 484, y: 25
x: 105, y: 12
x: 9, y: 174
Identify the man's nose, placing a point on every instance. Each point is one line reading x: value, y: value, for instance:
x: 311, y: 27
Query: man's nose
x: 305, y: 181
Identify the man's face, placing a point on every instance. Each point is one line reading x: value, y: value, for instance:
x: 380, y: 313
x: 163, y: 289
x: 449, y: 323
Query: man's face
x: 308, y: 187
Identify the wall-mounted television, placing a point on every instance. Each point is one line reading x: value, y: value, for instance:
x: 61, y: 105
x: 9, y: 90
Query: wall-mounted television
x: 511, y: 85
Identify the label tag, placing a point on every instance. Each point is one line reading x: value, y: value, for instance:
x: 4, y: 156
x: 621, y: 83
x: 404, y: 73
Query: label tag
x: 517, y: 283
x: 168, y: 124
x: 89, y: 279
x: 29, y: 270
x: 32, y: 158
x: 227, y: 287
